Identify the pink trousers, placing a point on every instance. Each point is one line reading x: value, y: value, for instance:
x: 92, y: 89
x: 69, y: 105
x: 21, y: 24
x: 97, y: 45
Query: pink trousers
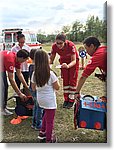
x: 48, y: 123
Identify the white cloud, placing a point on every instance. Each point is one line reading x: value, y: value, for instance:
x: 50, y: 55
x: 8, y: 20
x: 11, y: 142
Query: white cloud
x: 47, y: 15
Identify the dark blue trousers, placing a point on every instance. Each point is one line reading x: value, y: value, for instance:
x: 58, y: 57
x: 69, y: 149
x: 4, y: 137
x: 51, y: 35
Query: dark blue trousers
x: 4, y: 90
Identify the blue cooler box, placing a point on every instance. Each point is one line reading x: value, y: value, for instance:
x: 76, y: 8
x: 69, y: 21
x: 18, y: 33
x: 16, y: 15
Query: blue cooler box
x: 91, y: 115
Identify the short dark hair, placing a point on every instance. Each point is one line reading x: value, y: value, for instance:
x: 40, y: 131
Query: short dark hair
x: 32, y: 53
x: 61, y: 36
x: 23, y: 53
x: 20, y: 35
x: 92, y: 40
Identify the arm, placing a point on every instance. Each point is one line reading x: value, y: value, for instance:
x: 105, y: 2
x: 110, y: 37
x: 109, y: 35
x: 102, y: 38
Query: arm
x: 56, y: 85
x: 92, y: 64
x: 14, y: 85
x: 80, y: 84
x: 52, y: 57
x: 21, y: 78
x: 73, y: 62
x: 33, y: 85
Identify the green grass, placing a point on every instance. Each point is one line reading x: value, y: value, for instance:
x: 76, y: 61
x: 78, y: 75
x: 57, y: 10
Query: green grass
x: 64, y: 127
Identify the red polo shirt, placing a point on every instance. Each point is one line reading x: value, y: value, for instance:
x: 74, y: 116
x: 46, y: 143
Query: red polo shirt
x: 66, y: 52
x: 99, y: 59
x: 9, y: 61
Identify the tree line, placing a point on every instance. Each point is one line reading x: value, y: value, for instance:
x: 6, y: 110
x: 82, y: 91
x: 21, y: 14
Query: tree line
x: 77, y: 32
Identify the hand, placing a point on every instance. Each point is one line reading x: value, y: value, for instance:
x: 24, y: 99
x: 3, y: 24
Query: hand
x: 27, y: 91
x: 64, y: 65
x: 23, y: 96
x: 77, y: 97
x: 27, y: 87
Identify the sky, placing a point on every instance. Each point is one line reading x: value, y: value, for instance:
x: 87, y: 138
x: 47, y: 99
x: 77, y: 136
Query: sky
x: 47, y: 16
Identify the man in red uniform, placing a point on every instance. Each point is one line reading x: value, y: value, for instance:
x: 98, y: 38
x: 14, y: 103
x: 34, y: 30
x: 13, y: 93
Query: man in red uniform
x: 69, y: 61
x: 11, y: 60
x: 98, y: 59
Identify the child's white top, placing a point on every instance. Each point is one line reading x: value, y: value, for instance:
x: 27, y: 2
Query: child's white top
x: 46, y: 96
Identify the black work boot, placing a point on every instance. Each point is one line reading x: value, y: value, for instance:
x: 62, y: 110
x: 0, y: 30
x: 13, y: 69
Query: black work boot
x: 70, y: 104
x: 65, y: 104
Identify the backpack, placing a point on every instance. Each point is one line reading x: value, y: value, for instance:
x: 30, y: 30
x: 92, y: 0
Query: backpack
x: 24, y: 108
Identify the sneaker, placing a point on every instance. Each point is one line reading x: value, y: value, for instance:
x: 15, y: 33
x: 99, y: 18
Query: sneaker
x: 33, y: 126
x: 10, y: 108
x: 65, y: 104
x: 6, y: 112
x: 70, y: 104
x: 42, y: 135
x: 38, y: 127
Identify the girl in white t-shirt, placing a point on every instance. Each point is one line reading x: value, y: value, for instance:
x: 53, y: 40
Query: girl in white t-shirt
x: 45, y: 82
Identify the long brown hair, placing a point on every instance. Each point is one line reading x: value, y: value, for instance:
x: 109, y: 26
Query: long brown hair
x: 42, y: 68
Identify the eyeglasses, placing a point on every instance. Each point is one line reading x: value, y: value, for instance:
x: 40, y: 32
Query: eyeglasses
x: 59, y: 43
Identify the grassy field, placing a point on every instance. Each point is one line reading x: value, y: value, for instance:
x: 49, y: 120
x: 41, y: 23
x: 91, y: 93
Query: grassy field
x: 64, y: 127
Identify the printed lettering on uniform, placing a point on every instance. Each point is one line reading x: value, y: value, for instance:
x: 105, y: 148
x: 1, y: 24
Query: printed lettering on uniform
x: 73, y: 49
x: 11, y: 67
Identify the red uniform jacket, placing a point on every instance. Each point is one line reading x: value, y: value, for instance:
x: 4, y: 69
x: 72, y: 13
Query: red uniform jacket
x: 9, y: 61
x: 66, y: 52
x: 99, y: 59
